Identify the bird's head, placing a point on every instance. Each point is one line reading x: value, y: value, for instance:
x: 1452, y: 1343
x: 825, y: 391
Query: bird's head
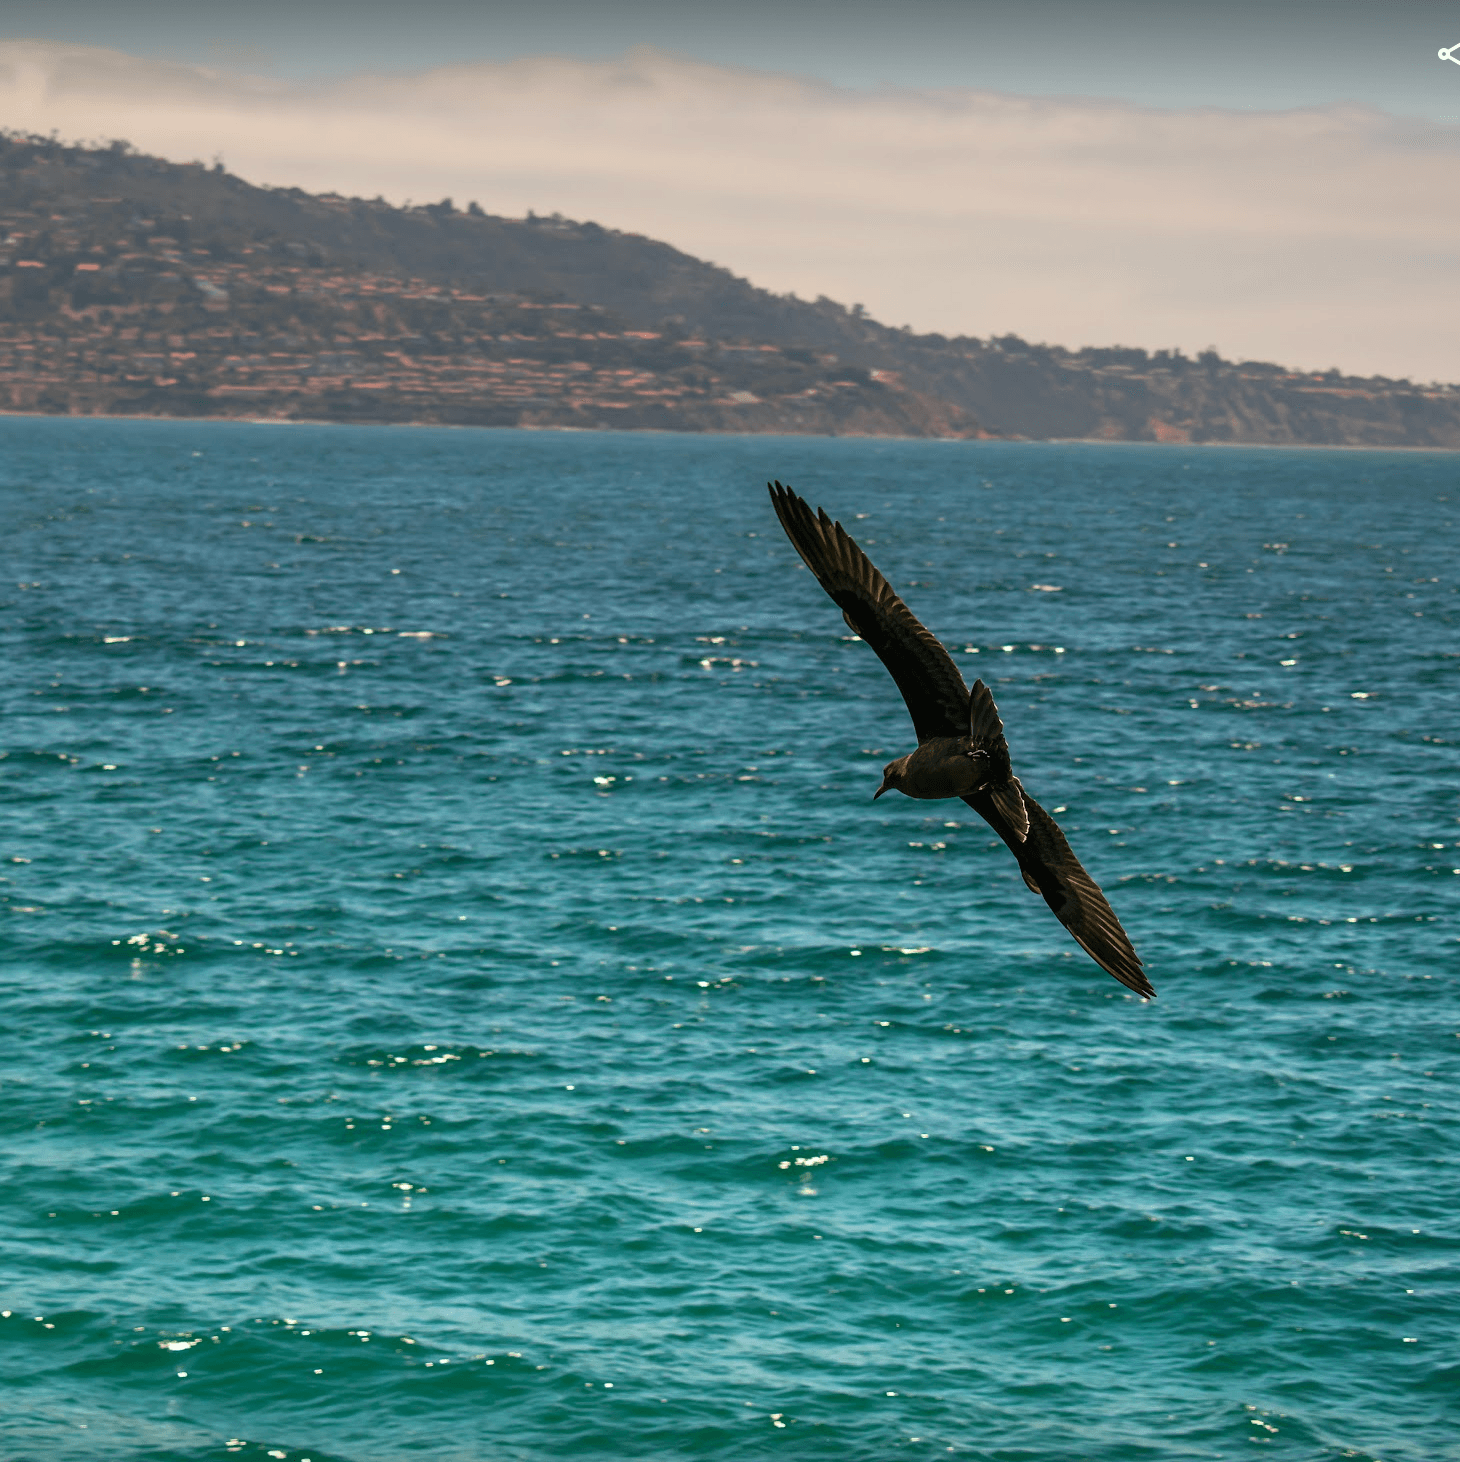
x: 892, y: 775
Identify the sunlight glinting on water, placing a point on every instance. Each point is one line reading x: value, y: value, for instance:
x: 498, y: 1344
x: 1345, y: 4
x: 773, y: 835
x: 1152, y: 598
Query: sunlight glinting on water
x: 462, y: 1000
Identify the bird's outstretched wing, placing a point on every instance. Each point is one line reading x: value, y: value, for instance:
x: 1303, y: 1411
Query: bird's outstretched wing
x: 1051, y: 869
x: 936, y: 696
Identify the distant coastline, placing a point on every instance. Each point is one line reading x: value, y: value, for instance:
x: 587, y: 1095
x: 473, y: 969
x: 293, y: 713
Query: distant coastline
x: 7, y: 413
x: 135, y: 287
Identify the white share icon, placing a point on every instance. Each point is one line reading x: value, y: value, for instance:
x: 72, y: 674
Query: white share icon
x: 1448, y: 54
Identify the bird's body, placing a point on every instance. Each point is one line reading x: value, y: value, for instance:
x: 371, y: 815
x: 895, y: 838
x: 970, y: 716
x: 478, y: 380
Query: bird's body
x: 943, y: 766
x: 961, y: 751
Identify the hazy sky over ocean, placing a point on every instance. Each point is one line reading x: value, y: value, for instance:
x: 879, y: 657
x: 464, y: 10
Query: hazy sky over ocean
x: 1274, y: 179
x: 1229, y: 53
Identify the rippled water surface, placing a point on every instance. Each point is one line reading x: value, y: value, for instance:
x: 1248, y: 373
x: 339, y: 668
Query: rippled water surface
x: 461, y: 1002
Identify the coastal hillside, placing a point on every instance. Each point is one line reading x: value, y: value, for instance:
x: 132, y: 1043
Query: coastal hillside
x: 134, y: 285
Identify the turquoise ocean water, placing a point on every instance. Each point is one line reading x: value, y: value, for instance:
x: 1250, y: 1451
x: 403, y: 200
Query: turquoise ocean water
x: 461, y: 1002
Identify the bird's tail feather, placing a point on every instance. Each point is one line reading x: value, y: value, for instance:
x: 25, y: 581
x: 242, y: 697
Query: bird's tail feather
x: 1008, y: 797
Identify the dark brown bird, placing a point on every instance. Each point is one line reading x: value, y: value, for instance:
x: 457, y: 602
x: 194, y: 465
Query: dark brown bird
x: 961, y: 748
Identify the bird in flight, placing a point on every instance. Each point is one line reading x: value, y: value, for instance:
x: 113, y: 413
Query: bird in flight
x: 961, y: 748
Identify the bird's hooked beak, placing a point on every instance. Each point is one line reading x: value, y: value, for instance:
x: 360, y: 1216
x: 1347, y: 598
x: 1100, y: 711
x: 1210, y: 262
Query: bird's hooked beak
x: 885, y: 787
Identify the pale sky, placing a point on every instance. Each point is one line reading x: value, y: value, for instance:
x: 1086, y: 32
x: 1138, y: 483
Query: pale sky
x: 1279, y: 184
x: 1229, y: 53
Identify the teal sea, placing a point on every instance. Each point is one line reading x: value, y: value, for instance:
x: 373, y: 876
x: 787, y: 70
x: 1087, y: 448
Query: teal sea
x: 461, y: 1002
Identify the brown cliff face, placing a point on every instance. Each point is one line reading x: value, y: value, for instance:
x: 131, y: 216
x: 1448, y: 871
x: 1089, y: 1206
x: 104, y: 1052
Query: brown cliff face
x: 130, y: 285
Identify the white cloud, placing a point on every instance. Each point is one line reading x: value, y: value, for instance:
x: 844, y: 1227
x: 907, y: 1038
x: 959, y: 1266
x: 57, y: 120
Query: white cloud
x: 1316, y: 237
